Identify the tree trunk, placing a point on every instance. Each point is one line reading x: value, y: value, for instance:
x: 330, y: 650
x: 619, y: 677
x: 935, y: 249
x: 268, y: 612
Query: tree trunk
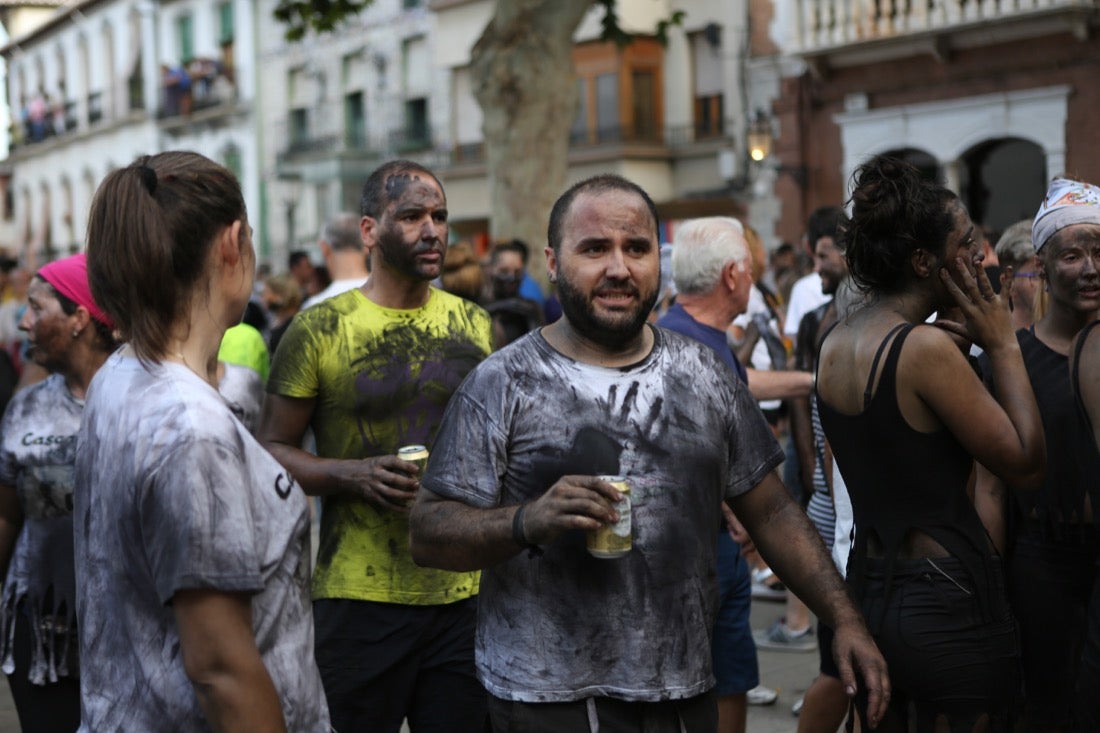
x: 522, y: 68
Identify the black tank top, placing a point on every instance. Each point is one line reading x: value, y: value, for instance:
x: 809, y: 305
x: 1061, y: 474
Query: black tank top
x: 1088, y: 459
x: 901, y: 479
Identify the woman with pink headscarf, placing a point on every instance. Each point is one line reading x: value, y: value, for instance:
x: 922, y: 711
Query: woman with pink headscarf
x: 70, y: 337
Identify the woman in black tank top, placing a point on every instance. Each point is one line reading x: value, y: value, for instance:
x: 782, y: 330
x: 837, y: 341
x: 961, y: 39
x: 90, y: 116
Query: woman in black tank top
x: 906, y: 417
x: 1085, y: 381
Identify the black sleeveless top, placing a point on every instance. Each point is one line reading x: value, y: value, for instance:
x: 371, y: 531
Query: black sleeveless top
x: 1089, y: 457
x: 901, y: 479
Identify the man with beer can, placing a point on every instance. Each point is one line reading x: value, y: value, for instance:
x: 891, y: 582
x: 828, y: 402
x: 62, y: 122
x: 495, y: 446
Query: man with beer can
x: 370, y: 371
x: 566, y: 640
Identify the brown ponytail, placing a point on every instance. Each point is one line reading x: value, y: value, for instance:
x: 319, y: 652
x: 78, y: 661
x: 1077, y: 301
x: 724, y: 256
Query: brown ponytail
x: 149, y: 232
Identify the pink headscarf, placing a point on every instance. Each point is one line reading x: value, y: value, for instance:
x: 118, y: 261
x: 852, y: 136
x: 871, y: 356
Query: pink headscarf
x: 69, y: 276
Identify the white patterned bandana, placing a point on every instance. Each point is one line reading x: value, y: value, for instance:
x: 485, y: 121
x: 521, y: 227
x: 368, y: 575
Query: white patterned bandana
x: 1067, y: 202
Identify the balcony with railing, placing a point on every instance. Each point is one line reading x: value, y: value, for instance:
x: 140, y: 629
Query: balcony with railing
x: 188, y: 91
x: 41, y: 121
x: 834, y: 28
x: 333, y: 137
x: 620, y: 141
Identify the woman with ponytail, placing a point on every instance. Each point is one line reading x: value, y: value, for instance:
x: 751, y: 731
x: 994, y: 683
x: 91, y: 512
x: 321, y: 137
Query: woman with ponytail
x: 907, y: 416
x: 192, y: 542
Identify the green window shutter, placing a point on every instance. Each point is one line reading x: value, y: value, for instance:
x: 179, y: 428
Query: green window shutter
x: 185, y: 26
x: 225, y: 23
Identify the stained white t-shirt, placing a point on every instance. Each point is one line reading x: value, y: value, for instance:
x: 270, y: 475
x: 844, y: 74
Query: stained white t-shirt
x: 686, y: 434
x: 173, y: 493
x: 37, y: 452
x: 243, y: 390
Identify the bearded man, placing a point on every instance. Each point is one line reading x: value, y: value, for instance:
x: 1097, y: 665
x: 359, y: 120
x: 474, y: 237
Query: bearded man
x: 520, y: 472
x: 371, y: 370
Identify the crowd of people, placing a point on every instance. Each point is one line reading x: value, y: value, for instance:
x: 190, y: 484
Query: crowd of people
x: 936, y: 509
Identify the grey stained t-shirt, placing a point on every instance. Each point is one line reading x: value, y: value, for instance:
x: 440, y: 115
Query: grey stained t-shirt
x: 173, y: 493
x: 37, y: 451
x: 242, y: 388
x: 684, y: 432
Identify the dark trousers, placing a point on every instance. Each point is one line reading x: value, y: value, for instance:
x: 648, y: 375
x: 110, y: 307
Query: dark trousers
x: 49, y: 708
x: 949, y: 640
x: 381, y: 663
x: 697, y: 714
x: 1087, y: 712
x: 1049, y: 586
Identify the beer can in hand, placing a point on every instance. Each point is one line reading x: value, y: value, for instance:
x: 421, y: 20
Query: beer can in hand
x: 613, y: 540
x: 417, y: 454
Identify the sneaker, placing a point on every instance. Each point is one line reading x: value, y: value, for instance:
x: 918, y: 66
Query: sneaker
x: 796, y: 709
x: 761, y: 695
x: 766, y: 587
x: 781, y: 639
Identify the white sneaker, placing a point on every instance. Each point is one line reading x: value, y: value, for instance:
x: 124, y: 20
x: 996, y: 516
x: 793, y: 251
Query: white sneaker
x: 761, y: 695
x: 796, y: 709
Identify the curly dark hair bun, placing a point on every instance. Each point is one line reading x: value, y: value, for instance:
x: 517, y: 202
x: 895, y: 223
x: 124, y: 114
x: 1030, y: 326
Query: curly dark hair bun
x: 894, y: 213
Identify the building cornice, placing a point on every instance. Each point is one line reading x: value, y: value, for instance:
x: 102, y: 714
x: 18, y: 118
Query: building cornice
x: 69, y: 11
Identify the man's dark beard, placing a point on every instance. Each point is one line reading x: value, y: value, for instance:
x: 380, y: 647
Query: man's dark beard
x: 579, y: 313
x: 399, y: 256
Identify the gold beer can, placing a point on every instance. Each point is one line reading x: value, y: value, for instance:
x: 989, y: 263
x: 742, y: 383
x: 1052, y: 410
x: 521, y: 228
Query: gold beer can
x: 417, y: 454
x: 613, y: 540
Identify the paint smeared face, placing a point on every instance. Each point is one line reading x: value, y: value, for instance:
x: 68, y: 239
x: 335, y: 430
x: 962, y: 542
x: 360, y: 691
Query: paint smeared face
x: 963, y: 242
x: 1071, y: 267
x: 49, y: 329
x: 608, y: 266
x: 411, y: 234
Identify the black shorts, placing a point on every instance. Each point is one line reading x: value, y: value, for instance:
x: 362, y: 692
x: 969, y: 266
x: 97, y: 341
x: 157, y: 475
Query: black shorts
x: 1049, y: 588
x: 697, y: 714
x: 383, y: 662
x: 949, y: 640
x: 1087, y: 711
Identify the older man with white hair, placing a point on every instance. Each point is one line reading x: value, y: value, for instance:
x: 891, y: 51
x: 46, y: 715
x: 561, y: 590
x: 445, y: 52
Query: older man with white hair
x: 713, y: 277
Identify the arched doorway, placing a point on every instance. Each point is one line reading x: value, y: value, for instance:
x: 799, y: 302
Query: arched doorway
x: 1002, y: 181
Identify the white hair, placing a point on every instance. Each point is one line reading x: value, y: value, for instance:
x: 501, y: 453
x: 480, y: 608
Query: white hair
x: 702, y: 247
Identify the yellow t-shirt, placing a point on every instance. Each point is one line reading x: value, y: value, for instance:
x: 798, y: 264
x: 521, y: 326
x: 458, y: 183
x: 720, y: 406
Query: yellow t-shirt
x: 242, y: 344
x: 381, y: 379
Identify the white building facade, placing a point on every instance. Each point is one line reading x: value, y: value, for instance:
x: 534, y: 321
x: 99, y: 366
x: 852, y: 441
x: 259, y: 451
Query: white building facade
x: 335, y: 106
x: 92, y: 88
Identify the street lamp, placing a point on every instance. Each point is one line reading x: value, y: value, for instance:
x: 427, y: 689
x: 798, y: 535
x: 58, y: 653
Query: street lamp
x: 759, y: 142
x: 759, y: 137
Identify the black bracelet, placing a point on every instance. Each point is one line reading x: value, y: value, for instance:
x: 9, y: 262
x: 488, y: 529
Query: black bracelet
x: 518, y: 535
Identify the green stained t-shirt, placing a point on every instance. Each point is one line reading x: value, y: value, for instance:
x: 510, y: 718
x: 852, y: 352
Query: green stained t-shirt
x: 381, y: 379
x: 242, y: 344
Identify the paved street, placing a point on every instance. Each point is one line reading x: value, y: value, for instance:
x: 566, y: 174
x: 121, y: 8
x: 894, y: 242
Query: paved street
x: 790, y: 674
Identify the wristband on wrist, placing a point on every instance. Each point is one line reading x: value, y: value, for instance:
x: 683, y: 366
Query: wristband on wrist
x: 519, y: 536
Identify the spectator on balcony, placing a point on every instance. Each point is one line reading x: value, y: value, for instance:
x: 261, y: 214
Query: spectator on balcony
x: 341, y: 245
x: 36, y: 115
x: 177, y: 90
x: 57, y: 112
